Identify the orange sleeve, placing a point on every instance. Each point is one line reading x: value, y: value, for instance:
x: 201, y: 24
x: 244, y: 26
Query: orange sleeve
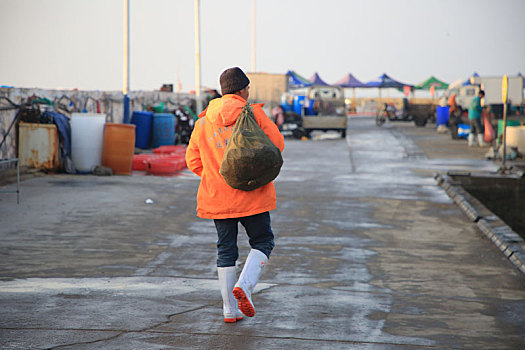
x: 268, y: 127
x: 193, y: 155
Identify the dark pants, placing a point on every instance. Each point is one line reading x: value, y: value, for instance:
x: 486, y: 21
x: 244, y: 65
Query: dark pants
x: 453, y: 123
x: 259, y: 232
x: 475, y: 126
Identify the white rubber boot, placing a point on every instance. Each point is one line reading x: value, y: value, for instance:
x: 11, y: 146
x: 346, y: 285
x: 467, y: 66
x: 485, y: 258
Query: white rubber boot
x: 250, y: 274
x: 471, y: 140
x: 481, y: 142
x: 227, y: 279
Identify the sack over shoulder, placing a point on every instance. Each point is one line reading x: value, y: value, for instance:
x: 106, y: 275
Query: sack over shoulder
x: 251, y: 160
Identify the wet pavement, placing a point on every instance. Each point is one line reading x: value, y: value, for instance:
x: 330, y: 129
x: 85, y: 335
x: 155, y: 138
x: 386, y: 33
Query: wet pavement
x: 370, y: 254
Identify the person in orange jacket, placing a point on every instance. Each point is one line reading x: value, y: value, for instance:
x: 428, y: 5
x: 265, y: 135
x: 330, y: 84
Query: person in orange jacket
x: 227, y: 206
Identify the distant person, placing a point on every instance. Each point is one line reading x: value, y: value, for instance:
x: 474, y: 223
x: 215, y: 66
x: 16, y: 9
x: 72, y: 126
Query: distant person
x: 227, y: 206
x: 278, y: 116
x: 213, y: 95
x: 474, y: 116
x: 452, y: 105
x: 454, y: 116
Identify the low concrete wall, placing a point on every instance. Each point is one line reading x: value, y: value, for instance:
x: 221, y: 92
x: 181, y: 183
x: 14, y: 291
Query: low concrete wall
x: 70, y: 101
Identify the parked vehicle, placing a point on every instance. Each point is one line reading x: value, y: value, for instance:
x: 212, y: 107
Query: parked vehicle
x: 419, y: 113
x: 492, y: 88
x: 320, y: 108
x: 316, y: 107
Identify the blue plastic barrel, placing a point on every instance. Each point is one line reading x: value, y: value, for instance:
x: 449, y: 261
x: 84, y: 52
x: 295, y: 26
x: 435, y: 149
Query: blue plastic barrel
x: 309, y: 108
x: 298, y: 103
x: 163, y: 129
x: 442, y: 115
x: 285, y: 105
x: 143, y: 122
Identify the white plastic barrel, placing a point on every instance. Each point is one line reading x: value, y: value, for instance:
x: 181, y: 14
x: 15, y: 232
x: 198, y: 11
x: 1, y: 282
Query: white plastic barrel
x: 512, y: 136
x: 87, y: 140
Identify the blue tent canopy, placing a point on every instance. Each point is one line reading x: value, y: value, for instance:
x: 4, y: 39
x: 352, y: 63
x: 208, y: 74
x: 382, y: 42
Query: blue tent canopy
x: 297, y: 81
x: 349, y: 81
x: 384, y: 81
x: 316, y: 80
x: 467, y: 82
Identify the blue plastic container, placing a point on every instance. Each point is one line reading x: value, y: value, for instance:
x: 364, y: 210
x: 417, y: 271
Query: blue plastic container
x: 285, y: 105
x: 463, y: 130
x: 163, y: 129
x: 441, y: 115
x: 298, y: 103
x: 309, y: 108
x: 143, y: 122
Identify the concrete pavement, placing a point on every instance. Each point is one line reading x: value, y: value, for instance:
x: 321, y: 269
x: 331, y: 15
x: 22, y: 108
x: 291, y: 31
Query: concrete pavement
x: 370, y: 254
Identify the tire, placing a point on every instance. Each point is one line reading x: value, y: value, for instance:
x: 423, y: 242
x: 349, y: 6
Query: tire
x: 420, y: 121
x: 308, y: 132
x: 380, y: 119
x: 343, y: 133
x: 299, y: 133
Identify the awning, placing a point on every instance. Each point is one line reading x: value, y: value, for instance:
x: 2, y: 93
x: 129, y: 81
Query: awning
x: 297, y: 81
x: 316, y: 80
x: 384, y: 81
x: 349, y: 81
x: 432, y: 81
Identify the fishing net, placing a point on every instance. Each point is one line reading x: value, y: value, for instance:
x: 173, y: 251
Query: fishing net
x: 251, y: 160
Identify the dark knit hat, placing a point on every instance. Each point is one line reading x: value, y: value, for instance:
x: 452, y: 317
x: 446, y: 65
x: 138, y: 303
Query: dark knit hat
x: 233, y: 80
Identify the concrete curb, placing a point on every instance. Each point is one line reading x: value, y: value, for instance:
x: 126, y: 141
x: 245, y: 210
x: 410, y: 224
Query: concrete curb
x: 509, y: 242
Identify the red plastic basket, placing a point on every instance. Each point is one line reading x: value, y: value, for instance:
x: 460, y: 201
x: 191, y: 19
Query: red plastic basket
x: 170, y: 149
x: 165, y: 165
x: 141, y: 161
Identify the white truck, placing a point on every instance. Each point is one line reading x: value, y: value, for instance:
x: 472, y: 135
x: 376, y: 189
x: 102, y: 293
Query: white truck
x: 305, y: 109
x: 324, y: 109
x: 492, y: 88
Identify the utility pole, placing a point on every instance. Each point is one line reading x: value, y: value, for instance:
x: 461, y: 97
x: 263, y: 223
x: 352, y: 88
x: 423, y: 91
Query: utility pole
x: 253, y: 36
x: 198, y: 105
x: 125, y: 83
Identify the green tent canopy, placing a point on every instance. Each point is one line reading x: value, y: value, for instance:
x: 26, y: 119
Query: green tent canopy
x: 432, y: 81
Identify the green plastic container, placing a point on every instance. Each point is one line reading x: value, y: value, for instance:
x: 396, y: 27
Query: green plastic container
x: 159, y: 108
x: 509, y: 123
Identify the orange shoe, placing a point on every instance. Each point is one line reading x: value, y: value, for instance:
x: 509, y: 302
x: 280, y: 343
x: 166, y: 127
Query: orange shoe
x: 233, y: 319
x: 244, y: 301
x: 253, y: 268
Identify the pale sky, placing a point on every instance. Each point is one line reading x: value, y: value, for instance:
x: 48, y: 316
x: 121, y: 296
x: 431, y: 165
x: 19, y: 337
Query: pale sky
x: 78, y: 43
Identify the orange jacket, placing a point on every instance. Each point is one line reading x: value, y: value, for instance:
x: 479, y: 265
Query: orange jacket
x: 215, y: 198
x: 452, y: 100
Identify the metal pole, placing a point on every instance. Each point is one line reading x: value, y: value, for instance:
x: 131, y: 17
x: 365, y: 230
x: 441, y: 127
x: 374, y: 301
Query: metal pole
x: 198, y: 102
x: 125, y: 83
x: 504, y: 135
x: 253, y: 36
x: 354, y: 107
x: 17, y: 180
x: 504, y: 99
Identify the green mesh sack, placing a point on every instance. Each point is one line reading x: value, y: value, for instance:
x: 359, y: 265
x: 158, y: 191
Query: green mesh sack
x: 251, y: 160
